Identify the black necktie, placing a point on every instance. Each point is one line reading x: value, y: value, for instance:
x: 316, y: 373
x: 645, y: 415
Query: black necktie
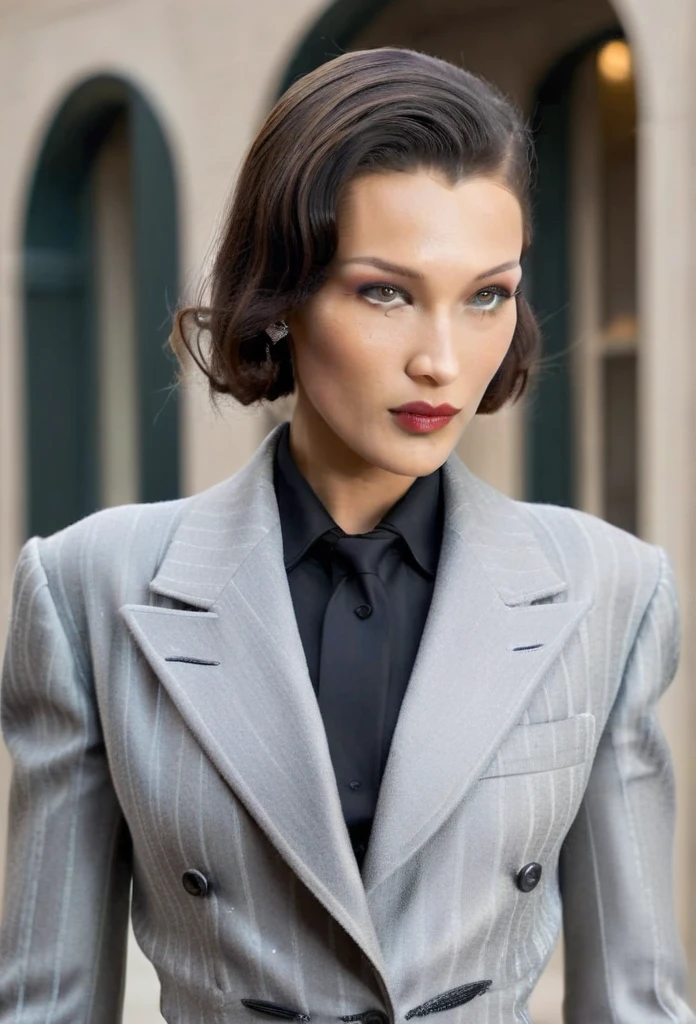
x: 355, y: 672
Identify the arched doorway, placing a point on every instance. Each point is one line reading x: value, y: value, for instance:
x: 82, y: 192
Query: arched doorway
x: 582, y: 426
x: 100, y: 271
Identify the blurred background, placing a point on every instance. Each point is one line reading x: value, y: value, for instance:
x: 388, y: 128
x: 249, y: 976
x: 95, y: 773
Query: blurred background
x: 124, y: 123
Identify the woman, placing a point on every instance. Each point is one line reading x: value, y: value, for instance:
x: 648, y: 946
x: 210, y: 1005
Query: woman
x: 362, y: 730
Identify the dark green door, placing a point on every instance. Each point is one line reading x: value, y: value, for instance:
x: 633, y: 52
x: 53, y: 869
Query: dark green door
x: 62, y: 396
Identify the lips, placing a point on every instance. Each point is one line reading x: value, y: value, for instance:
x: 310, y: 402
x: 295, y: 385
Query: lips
x: 422, y: 417
x: 426, y: 409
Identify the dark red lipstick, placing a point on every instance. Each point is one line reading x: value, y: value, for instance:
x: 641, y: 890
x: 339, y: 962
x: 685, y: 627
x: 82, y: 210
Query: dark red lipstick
x: 423, y: 418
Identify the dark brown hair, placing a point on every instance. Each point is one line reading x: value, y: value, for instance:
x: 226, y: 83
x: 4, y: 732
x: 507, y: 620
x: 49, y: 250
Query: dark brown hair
x: 386, y: 109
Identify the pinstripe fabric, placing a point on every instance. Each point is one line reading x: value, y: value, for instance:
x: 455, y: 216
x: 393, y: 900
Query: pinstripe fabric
x: 528, y: 733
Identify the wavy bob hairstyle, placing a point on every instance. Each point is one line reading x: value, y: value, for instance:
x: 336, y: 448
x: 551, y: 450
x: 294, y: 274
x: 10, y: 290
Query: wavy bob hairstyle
x: 366, y: 112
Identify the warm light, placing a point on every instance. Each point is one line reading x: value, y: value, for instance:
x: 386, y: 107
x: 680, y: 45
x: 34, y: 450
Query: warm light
x: 614, y: 61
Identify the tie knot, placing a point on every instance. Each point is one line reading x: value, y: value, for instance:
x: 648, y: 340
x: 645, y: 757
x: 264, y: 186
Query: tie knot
x: 363, y: 552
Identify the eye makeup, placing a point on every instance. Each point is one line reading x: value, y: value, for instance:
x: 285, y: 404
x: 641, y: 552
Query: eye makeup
x: 498, y: 291
x: 371, y: 293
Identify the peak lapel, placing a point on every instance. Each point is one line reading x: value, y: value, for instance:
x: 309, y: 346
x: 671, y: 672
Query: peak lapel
x: 471, y: 682
x: 253, y: 710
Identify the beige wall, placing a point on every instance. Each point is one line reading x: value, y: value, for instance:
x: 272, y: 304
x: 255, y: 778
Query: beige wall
x: 666, y: 263
x: 210, y: 70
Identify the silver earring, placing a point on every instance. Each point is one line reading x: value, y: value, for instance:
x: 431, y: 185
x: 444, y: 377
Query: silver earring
x: 277, y: 330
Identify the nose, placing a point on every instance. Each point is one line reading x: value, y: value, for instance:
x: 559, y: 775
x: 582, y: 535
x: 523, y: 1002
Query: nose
x: 435, y: 354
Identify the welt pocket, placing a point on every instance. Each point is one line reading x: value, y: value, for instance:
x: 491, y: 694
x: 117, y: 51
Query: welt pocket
x: 543, y: 746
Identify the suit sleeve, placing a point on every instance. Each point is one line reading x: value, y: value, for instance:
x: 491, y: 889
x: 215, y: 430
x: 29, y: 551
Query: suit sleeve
x: 623, y: 956
x: 67, y: 878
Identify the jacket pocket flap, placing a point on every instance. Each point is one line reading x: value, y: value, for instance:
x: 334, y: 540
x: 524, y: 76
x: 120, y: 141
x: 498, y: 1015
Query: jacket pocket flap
x: 543, y: 747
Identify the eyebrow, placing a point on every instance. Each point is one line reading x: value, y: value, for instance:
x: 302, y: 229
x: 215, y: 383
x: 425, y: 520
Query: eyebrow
x: 395, y: 268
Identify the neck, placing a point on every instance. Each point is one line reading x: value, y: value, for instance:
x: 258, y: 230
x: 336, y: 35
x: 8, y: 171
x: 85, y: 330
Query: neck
x: 355, y: 493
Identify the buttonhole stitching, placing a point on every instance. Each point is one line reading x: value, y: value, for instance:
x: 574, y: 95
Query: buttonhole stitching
x: 274, y: 1010
x: 448, y: 1000
x: 191, y: 661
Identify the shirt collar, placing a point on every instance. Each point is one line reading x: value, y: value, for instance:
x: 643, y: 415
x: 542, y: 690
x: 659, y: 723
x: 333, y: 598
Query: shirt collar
x: 417, y: 517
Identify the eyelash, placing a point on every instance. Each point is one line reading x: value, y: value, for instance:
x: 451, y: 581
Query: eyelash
x: 495, y: 289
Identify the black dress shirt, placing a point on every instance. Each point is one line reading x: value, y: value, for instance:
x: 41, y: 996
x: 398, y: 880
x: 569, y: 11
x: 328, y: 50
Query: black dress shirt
x: 407, y: 571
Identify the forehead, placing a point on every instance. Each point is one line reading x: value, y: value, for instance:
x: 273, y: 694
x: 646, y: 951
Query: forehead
x: 421, y: 217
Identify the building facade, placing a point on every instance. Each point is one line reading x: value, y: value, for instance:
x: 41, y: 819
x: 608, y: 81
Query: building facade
x: 125, y: 124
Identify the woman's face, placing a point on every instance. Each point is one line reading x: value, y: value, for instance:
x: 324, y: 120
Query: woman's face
x: 418, y: 307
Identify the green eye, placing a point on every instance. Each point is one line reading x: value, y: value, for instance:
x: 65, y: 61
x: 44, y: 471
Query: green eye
x: 493, y: 298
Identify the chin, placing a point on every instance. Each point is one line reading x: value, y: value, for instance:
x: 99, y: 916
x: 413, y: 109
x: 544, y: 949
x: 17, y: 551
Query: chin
x: 411, y: 456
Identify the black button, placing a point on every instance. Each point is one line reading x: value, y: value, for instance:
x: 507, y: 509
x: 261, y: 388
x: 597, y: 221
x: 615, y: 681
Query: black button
x: 374, y: 1017
x: 195, y: 883
x: 528, y: 877
x: 355, y: 784
x: 363, y: 611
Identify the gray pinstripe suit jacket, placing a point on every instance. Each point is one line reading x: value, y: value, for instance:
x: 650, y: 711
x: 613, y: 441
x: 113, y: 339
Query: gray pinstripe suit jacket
x: 160, y: 717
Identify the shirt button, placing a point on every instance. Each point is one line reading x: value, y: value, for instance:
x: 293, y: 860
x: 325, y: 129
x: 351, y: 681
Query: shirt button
x: 355, y: 784
x: 363, y: 611
x: 195, y: 883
